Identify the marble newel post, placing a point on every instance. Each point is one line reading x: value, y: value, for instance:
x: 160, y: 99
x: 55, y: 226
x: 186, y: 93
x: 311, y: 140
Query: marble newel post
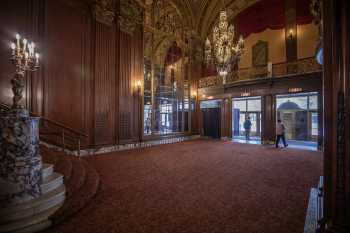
x: 20, y: 167
x: 20, y: 161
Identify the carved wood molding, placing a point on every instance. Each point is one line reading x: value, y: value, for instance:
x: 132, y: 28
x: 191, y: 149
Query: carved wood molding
x: 130, y: 16
x: 103, y: 11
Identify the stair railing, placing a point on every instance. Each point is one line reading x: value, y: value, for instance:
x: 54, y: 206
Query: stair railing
x: 54, y: 132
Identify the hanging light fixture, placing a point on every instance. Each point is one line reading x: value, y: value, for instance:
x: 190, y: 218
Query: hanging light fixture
x: 226, y: 49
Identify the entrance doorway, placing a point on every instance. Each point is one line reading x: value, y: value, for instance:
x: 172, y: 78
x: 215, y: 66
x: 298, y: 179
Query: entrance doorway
x: 211, y: 118
x: 299, y: 114
x: 246, y: 119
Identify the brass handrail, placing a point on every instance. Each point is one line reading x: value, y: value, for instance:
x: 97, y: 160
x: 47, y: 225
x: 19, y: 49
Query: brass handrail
x: 51, y: 128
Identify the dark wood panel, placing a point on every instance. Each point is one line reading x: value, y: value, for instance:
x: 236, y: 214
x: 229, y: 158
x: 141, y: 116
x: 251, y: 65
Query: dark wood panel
x: 67, y: 66
x: 226, y: 118
x: 104, y: 85
x: 269, y: 118
x: 308, y: 83
x: 130, y: 71
x: 336, y: 116
x: 211, y: 118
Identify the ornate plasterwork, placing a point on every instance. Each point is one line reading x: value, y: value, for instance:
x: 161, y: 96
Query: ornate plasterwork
x: 315, y: 8
x: 130, y: 16
x: 260, y: 53
x: 103, y: 11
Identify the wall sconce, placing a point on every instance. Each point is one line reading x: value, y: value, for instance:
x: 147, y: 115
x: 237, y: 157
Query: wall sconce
x: 138, y: 85
x: 290, y: 34
x: 193, y: 94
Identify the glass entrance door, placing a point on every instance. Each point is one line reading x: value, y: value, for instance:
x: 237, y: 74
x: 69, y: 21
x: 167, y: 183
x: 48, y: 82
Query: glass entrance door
x: 255, y: 118
x: 246, y: 119
x: 299, y: 114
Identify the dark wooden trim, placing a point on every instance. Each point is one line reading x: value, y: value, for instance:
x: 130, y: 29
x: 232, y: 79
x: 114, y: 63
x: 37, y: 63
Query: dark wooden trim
x: 336, y: 21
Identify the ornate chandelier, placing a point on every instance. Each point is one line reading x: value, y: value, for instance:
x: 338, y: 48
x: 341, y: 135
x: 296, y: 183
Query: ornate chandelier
x: 226, y: 49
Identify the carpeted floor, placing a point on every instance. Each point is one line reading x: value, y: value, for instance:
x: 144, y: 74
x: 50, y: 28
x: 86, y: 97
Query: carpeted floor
x: 200, y: 187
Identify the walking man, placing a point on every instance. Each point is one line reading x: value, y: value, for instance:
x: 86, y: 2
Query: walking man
x: 247, y: 125
x: 280, y: 131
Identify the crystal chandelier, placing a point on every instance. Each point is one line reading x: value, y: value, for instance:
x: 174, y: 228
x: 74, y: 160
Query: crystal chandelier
x: 226, y: 49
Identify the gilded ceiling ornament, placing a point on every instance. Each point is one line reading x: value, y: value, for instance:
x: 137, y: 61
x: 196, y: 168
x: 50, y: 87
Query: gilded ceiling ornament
x: 130, y: 16
x: 315, y: 8
x: 103, y: 11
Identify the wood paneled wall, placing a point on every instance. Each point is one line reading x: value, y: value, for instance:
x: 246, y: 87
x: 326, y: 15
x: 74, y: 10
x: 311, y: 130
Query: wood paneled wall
x: 66, y: 65
x: 130, y: 72
x: 105, y: 84
x: 88, y: 74
x: 336, y: 84
x: 226, y: 118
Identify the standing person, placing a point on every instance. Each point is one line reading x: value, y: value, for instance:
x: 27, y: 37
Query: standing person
x: 148, y: 125
x: 247, y: 125
x: 280, y: 131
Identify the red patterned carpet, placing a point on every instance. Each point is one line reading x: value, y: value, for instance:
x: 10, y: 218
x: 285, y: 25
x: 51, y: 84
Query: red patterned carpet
x: 200, y: 187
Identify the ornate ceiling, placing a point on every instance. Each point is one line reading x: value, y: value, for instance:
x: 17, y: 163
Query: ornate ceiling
x: 167, y: 21
x: 200, y: 15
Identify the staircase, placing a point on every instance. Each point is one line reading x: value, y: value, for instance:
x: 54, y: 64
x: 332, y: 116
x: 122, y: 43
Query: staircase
x: 68, y: 182
x: 33, y: 215
x: 80, y: 178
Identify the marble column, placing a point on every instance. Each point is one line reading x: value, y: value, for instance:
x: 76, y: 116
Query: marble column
x: 20, y: 160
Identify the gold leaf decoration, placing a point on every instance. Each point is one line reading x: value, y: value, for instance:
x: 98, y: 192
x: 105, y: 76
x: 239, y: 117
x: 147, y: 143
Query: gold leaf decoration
x: 103, y: 11
x: 130, y: 16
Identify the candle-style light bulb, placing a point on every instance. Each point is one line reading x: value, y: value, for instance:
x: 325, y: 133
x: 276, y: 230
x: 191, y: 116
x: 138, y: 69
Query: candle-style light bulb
x: 30, y: 49
x: 18, y: 37
x: 241, y: 40
x: 26, y: 58
x: 13, y: 47
x: 24, y: 44
x: 37, y: 59
x: 33, y: 47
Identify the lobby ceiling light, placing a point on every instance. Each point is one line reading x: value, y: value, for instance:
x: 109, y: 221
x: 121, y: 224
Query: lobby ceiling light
x: 225, y: 49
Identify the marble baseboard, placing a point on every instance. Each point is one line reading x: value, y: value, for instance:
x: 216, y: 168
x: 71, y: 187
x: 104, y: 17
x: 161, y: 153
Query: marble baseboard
x: 311, y: 215
x: 130, y: 146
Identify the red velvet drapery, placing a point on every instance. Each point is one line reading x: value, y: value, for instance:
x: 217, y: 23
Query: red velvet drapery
x: 270, y: 14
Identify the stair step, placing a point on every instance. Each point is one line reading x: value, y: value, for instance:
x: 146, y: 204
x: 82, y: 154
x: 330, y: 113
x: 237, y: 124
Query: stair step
x: 19, y: 226
x: 51, y: 182
x: 77, y: 179
x: 80, y: 197
x: 35, y: 227
x: 47, y: 170
x: 33, y: 207
x: 64, y: 166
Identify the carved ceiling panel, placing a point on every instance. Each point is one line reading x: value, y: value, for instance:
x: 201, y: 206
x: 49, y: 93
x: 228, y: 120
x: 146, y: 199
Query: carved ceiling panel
x: 185, y: 20
x: 200, y: 15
